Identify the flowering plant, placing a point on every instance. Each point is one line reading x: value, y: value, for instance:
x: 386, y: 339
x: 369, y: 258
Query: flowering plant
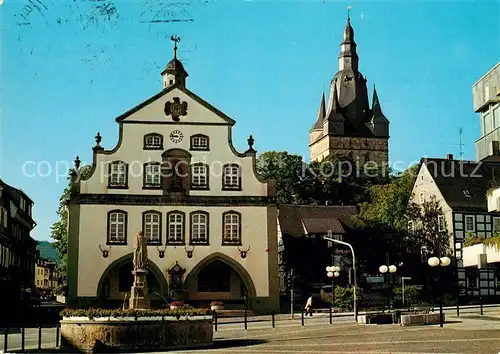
x: 95, y: 312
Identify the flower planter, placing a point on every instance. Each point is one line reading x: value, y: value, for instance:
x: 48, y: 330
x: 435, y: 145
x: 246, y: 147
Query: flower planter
x: 421, y: 319
x: 378, y: 318
x: 98, y: 319
x: 216, y: 307
x: 151, y: 318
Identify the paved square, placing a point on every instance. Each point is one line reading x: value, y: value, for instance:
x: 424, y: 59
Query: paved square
x: 469, y: 336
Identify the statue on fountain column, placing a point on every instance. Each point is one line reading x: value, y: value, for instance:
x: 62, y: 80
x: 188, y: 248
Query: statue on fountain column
x: 140, y: 252
x: 139, y: 297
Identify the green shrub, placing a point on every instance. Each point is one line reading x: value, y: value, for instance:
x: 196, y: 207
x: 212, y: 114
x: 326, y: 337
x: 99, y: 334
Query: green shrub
x: 412, y: 295
x: 344, y: 297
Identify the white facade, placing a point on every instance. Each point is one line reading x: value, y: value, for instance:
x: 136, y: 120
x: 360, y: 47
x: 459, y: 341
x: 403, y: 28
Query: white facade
x: 177, y: 178
x: 494, y: 200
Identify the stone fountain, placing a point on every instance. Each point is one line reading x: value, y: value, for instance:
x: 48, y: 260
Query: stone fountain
x: 135, y: 328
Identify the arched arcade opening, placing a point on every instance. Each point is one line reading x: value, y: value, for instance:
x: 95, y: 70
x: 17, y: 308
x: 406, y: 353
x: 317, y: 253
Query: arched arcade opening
x: 220, y: 278
x: 117, y: 279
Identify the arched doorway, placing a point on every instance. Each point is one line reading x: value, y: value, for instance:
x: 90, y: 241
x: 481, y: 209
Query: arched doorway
x: 219, y: 277
x: 117, y: 280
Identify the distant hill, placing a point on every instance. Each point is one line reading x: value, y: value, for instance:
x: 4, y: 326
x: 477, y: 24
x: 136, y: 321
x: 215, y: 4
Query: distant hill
x: 47, y: 250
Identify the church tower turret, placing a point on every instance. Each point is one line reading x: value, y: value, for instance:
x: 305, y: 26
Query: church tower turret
x: 378, y: 124
x: 174, y: 72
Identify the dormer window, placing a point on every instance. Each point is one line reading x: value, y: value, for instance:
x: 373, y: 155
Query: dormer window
x: 231, y: 177
x: 199, y: 142
x: 22, y: 203
x: 153, y: 141
x: 118, y: 175
x: 3, y: 217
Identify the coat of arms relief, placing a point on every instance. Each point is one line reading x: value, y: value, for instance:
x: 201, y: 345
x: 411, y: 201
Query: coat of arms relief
x: 176, y: 109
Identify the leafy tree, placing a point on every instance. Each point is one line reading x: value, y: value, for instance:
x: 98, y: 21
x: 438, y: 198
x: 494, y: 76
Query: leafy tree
x: 59, y: 232
x: 425, y: 231
x: 288, y: 172
x: 387, y: 204
x: 336, y: 179
x: 384, y: 220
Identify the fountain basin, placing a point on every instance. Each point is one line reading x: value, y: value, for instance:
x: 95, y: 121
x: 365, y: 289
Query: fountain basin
x: 126, y: 334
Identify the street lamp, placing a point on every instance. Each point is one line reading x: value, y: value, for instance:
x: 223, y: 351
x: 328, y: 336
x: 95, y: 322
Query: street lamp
x: 439, y: 262
x: 388, y: 270
x: 403, y: 288
x: 333, y: 272
x: 329, y: 237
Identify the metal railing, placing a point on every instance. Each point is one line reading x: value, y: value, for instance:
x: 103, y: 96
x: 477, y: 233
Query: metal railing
x: 327, y: 314
x: 35, y: 342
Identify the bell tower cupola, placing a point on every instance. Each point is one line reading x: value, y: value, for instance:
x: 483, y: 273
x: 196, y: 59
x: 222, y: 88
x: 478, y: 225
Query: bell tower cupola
x: 174, y: 73
x: 348, y: 58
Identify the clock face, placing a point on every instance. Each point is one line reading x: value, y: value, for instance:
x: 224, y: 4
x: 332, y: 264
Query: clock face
x: 176, y: 136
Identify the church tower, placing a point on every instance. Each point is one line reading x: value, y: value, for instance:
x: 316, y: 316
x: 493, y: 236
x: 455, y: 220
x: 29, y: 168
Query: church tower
x: 348, y: 125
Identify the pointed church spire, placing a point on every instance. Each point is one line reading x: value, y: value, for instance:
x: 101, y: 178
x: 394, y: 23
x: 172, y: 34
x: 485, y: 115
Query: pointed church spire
x: 335, y: 121
x: 376, y: 108
x: 348, y: 58
x: 378, y: 124
x: 322, y: 109
x: 318, y: 124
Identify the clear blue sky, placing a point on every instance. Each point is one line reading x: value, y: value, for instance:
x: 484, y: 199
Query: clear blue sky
x: 68, y: 69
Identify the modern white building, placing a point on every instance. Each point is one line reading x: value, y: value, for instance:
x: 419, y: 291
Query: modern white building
x: 210, y: 220
x: 486, y: 101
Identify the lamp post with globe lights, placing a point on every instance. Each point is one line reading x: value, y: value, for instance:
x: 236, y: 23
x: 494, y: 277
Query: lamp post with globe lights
x: 333, y: 272
x: 387, y: 270
x: 436, y: 262
x: 329, y: 237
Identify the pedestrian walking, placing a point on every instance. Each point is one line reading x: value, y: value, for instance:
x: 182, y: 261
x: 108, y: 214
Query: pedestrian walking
x: 308, y: 307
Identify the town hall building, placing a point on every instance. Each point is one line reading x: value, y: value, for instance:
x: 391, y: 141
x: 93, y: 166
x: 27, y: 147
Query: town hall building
x: 210, y: 221
x: 346, y: 124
